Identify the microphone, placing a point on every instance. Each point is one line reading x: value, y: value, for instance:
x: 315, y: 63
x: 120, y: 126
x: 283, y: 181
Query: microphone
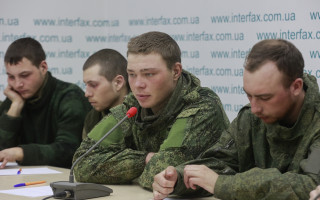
x: 78, y: 191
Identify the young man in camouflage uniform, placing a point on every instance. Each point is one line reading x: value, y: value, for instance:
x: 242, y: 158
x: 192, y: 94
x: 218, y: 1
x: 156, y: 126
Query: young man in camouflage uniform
x: 177, y: 119
x: 106, y: 79
x: 42, y: 117
x: 271, y: 150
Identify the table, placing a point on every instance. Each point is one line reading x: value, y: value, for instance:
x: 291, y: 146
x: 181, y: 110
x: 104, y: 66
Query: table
x: 120, y: 192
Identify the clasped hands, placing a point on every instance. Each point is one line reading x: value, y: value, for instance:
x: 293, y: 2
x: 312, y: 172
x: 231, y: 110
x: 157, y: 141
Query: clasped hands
x: 193, y: 176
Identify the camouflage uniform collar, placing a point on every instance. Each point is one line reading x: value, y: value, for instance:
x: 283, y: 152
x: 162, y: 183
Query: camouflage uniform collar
x: 311, y: 96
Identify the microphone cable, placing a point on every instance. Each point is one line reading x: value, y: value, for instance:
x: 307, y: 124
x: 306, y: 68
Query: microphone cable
x: 64, y: 194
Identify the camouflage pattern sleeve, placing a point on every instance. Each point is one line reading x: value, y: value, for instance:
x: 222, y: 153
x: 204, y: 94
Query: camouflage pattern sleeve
x: 269, y: 184
x: 195, y: 130
x: 108, y: 165
x: 293, y: 179
x: 111, y: 162
x: 222, y: 157
x: 239, y: 176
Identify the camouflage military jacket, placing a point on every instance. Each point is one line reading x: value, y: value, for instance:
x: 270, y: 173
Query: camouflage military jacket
x: 191, y: 122
x: 259, y: 161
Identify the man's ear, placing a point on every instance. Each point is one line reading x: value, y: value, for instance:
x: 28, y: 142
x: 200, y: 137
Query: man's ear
x: 118, y: 82
x: 177, y: 70
x: 296, y: 86
x: 43, y: 67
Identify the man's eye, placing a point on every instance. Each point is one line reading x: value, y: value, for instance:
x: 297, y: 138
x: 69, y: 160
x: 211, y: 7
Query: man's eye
x: 131, y: 75
x: 149, y: 74
x: 265, y: 98
x: 24, y: 75
x: 92, y: 85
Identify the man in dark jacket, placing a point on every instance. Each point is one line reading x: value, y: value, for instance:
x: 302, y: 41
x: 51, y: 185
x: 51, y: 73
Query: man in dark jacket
x: 271, y: 150
x: 42, y: 117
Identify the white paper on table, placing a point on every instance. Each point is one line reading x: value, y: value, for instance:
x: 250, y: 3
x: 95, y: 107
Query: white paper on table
x: 40, y: 170
x: 30, y: 191
x: 10, y: 164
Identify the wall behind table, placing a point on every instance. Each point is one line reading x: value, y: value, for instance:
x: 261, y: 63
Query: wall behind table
x: 214, y: 36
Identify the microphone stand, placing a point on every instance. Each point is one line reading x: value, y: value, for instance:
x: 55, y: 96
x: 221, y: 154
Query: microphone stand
x: 79, y: 191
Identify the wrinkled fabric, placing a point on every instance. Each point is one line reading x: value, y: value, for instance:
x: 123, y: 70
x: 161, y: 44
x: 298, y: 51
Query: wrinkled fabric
x: 190, y: 123
x: 255, y: 160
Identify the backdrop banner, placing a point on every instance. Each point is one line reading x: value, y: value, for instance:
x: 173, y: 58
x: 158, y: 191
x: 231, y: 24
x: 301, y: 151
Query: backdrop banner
x: 214, y: 36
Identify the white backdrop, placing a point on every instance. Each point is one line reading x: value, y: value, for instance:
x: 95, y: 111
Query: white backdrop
x: 214, y: 36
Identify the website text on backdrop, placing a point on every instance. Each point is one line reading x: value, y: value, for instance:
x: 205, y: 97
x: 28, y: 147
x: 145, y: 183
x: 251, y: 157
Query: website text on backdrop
x: 271, y: 150
x: 177, y: 119
x: 106, y: 78
x: 42, y: 117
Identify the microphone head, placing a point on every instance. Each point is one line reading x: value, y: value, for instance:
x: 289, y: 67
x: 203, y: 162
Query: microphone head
x: 132, y: 112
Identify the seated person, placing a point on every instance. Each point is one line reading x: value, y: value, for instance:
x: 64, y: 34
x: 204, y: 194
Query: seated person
x: 315, y: 194
x: 42, y: 117
x: 106, y: 79
x: 271, y: 149
x: 177, y: 119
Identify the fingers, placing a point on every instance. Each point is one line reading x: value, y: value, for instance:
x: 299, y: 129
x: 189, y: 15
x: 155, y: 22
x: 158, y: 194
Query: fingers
x: 11, y: 155
x: 160, y: 192
x: 13, y: 95
x: 199, y: 175
x: 315, y: 194
x: 171, y: 174
x: 3, y: 159
x: 191, y: 172
x: 164, y: 183
x: 4, y: 163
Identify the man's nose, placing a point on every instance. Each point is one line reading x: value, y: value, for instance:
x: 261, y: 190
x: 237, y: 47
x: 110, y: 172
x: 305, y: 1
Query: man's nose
x: 255, y: 106
x: 87, y: 93
x: 139, y: 83
x: 19, y: 83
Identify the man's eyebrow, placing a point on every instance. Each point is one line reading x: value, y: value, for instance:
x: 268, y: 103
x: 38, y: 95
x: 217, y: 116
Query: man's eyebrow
x: 23, y: 72
x: 143, y: 70
x: 259, y: 95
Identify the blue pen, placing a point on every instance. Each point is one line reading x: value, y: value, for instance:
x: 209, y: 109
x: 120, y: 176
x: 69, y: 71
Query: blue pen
x: 19, y: 171
x: 28, y: 183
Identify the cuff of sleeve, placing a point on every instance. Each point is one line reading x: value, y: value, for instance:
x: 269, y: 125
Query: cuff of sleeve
x: 28, y: 155
x: 10, y: 124
x: 179, y: 188
x: 223, y: 187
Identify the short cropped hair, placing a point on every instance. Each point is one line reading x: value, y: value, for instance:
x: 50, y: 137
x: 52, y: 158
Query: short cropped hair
x: 156, y: 42
x: 111, y: 63
x: 284, y: 54
x: 25, y: 48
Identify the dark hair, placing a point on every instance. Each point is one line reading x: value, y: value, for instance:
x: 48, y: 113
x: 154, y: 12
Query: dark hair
x: 25, y: 48
x: 284, y: 54
x: 156, y: 42
x: 111, y: 63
